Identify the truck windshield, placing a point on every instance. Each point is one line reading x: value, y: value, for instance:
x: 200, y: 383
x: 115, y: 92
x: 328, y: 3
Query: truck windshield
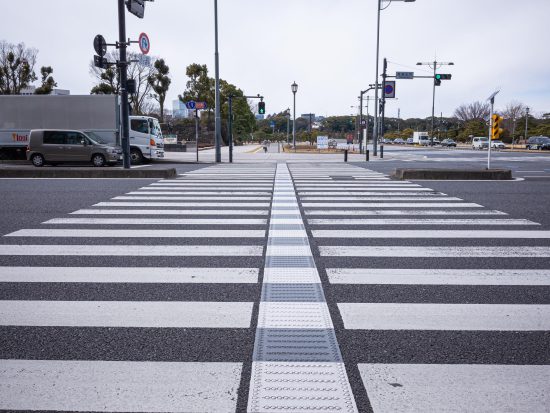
x: 96, y: 138
x: 156, y: 129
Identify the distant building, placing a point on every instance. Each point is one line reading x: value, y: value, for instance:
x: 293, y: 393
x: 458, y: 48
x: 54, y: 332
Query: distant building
x: 30, y: 90
x: 61, y: 92
x: 179, y: 110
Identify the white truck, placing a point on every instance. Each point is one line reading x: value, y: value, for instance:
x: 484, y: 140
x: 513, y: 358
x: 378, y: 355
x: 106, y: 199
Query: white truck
x: 97, y: 113
x: 421, y: 138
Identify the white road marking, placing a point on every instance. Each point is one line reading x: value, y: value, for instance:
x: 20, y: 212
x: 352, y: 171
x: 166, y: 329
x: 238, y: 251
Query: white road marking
x: 192, y: 198
x: 284, y: 251
x: 142, y: 275
x: 401, y: 276
x: 505, y: 222
x: 359, y: 233
x: 163, y: 314
x: 473, y: 388
x: 156, y: 221
x: 435, y: 252
x: 139, y: 233
x: 169, y: 212
x: 390, y: 205
x: 374, y: 193
x: 134, y: 250
x: 177, y: 191
x: 332, y: 212
x: 378, y: 198
x: 184, y: 204
x: 118, y: 386
x: 472, y: 317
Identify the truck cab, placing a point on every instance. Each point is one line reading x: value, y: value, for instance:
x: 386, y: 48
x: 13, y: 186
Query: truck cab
x: 146, y: 141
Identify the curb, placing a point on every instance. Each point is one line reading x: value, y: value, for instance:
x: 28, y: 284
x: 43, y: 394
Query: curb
x: 452, y: 174
x: 88, y: 173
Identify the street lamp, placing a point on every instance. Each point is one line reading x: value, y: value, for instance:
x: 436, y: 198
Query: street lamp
x: 218, y: 118
x: 375, y: 138
x: 434, y: 65
x: 294, y: 88
x: 287, y: 114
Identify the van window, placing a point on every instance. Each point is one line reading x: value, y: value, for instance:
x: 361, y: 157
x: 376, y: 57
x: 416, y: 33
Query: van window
x: 74, y: 138
x: 54, y: 138
x: 139, y: 125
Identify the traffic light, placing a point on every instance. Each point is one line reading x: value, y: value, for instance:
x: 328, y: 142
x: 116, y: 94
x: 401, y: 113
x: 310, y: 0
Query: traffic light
x: 261, y: 108
x: 495, y: 129
x: 441, y: 76
x: 437, y: 81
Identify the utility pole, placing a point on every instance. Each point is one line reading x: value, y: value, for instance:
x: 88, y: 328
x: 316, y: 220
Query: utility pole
x: 383, y: 98
x: 218, y: 119
x: 123, y: 73
x: 398, y: 118
x: 526, y: 122
x: 287, y: 126
x: 436, y: 82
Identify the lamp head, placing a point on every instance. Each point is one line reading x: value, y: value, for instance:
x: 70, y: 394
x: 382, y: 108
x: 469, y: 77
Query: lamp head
x: 294, y: 87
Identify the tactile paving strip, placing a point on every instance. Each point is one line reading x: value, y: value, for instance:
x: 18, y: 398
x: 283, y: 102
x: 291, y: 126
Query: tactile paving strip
x: 297, y: 365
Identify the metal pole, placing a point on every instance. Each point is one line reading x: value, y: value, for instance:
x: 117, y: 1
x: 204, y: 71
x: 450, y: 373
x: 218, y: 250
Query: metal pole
x: 383, y: 99
x: 367, y: 129
x: 490, y: 134
x: 218, y: 120
x: 288, y: 128
x: 375, y: 138
x: 294, y: 124
x: 197, y: 133
x: 230, y: 130
x: 123, y: 70
x: 526, y: 122
x: 361, y: 122
x: 433, y: 106
x: 513, y: 130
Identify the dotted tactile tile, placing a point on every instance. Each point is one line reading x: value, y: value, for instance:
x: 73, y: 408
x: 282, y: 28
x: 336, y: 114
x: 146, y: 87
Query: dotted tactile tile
x: 287, y: 227
x: 289, y: 262
x: 295, y: 220
x: 291, y: 275
x: 294, y: 315
x: 282, y: 250
x: 277, y: 233
x: 287, y: 241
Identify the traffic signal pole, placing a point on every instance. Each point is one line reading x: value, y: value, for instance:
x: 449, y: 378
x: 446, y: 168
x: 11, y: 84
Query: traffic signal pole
x: 123, y: 70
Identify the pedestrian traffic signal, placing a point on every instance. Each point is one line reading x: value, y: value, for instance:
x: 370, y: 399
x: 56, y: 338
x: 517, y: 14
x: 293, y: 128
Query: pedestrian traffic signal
x: 496, y: 131
x: 261, y: 108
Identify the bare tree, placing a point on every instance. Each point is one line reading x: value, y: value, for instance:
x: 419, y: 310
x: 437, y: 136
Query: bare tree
x: 16, y: 67
x: 514, y: 110
x: 109, y: 81
x: 473, y: 111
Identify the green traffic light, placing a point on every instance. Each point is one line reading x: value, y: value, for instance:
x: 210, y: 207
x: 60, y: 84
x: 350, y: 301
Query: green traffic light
x: 438, y: 77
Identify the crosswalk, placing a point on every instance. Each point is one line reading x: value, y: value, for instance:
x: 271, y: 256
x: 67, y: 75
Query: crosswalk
x: 442, y: 304
x: 144, y: 302
x: 297, y: 287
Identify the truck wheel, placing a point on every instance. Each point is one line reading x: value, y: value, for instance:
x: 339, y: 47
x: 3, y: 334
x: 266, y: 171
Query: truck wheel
x: 136, y: 156
x: 37, y: 160
x: 98, y: 160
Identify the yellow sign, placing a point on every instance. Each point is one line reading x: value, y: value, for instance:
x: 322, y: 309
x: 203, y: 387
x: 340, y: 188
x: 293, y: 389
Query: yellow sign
x: 496, y: 130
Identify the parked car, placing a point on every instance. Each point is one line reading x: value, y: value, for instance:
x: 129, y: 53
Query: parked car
x: 62, y: 146
x: 410, y: 141
x: 448, y: 143
x: 399, y: 141
x: 498, y: 145
x: 480, y: 142
x: 538, y: 142
x: 435, y: 142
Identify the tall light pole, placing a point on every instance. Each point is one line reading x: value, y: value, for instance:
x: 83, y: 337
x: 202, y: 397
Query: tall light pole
x: 287, y: 125
x: 526, y: 121
x: 434, y: 65
x: 375, y: 136
x: 294, y: 88
x: 218, y: 118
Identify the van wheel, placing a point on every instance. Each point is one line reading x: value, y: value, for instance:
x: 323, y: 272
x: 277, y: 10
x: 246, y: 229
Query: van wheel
x: 38, y: 160
x: 98, y: 160
x: 136, y: 156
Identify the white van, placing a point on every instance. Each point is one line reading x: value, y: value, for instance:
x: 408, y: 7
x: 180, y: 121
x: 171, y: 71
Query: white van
x: 424, y: 140
x: 146, y: 141
x: 480, y: 142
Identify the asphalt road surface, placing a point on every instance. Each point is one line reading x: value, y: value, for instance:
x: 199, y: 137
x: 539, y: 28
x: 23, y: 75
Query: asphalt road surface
x: 275, y: 287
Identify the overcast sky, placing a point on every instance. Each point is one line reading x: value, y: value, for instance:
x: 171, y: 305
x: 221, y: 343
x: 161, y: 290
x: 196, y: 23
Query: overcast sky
x: 326, y: 46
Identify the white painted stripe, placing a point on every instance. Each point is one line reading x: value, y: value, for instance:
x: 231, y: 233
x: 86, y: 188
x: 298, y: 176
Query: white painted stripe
x: 134, y: 250
x: 167, y: 314
x: 193, y: 198
x: 177, y: 191
x: 473, y: 388
x: 390, y: 205
x: 445, y: 212
x: 343, y: 184
x: 402, y: 276
x: 373, y: 193
x: 118, y: 386
x: 286, y: 221
x: 169, y: 212
x: 377, y: 198
x: 435, y: 252
x: 142, y: 275
x: 504, y: 222
x: 358, y: 233
x: 473, y: 317
x: 156, y: 221
x: 344, y: 188
x: 139, y: 233
x: 222, y: 181
x: 184, y: 204
x: 217, y: 186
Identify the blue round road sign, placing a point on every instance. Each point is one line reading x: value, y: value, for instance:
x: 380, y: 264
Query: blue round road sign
x: 191, y: 104
x: 388, y: 90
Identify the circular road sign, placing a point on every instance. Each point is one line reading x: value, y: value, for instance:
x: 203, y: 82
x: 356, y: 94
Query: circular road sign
x: 388, y: 90
x: 191, y: 104
x: 100, y: 45
x: 144, y: 44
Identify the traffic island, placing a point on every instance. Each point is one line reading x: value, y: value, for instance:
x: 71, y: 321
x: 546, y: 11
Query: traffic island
x: 55, y: 172
x: 452, y: 174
